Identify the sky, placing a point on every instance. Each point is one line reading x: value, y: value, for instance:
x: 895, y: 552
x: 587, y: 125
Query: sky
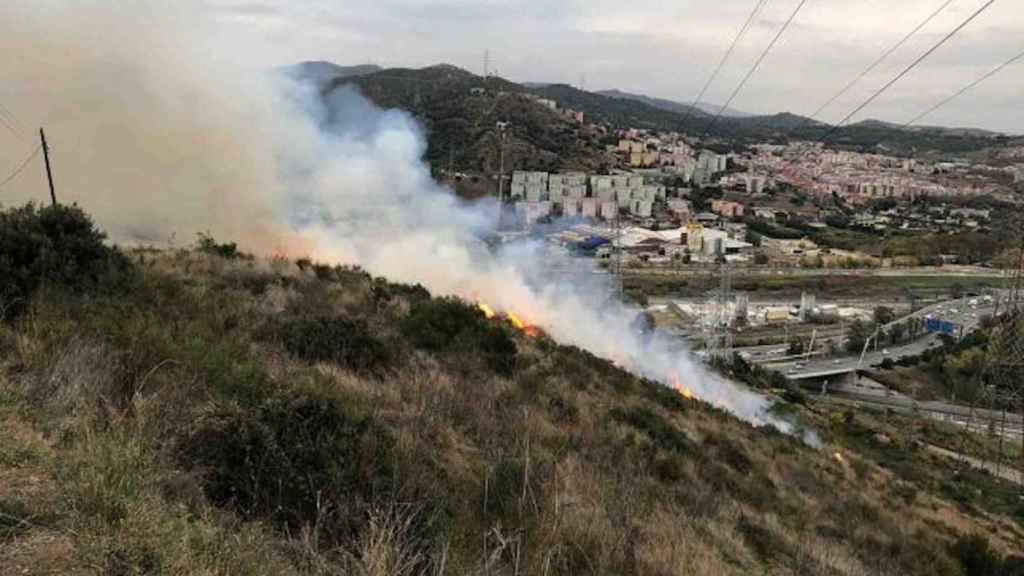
x: 668, y: 49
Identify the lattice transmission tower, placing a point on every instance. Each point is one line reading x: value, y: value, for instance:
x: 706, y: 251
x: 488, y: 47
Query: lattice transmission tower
x: 1002, y: 380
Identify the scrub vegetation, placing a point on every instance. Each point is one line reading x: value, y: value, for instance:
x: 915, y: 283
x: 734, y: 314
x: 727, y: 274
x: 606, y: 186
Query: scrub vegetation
x: 199, y: 412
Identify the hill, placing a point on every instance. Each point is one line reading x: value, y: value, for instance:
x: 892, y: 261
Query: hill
x: 461, y: 124
x: 677, y: 107
x: 461, y: 120
x: 201, y: 411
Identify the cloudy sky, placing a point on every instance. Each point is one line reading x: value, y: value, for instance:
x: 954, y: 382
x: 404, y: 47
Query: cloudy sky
x: 668, y: 48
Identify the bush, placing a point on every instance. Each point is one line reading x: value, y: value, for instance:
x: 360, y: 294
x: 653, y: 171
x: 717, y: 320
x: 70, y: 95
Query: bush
x: 661, y: 433
x: 56, y: 245
x: 345, y: 342
x: 450, y: 325
x: 295, y: 462
x: 228, y: 250
x: 977, y: 557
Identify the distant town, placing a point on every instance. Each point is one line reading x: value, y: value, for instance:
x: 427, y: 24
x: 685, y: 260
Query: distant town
x: 669, y: 199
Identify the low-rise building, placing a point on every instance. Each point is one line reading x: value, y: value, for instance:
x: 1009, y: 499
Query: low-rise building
x: 727, y: 209
x: 680, y: 208
x: 787, y: 246
x: 755, y: 184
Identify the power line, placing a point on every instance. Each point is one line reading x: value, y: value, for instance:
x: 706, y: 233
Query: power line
x: 21, y: 167
x: 10, y: 122
x: 988, y: 75
x: 754, y: 68
x: 746, y: 25
x: 877, y: 62
x: 907, y: 70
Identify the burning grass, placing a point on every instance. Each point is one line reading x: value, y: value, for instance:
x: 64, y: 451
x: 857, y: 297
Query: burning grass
x: 224, y: 416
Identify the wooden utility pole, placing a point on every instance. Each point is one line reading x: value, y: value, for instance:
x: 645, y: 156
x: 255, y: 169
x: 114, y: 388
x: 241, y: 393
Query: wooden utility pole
x: 49, y: 173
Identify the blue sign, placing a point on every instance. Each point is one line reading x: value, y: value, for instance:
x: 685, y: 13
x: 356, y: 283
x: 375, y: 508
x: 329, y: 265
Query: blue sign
x: 940, y: 326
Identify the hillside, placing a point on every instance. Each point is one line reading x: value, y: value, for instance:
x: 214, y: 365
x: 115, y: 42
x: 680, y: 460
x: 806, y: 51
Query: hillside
x: 461, y: 125
x: 200, y: 411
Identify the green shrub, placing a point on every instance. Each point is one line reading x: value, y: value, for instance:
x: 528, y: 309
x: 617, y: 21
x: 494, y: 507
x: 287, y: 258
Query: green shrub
x: 295, y: 462
x: 449, y: 325
x: 228, y: 250
x: 794, y: 395
x: 661, y: 433
x: 15, y: 519
x: 346, y: 342
x: 977, y: 557
x: 56, y: 245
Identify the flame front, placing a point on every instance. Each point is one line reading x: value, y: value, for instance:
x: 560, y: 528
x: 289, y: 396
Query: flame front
x: 839, y: 458
x: 487, y: 310
x: 513, y: 319
x: 683, y: 390
x: 516, y: 321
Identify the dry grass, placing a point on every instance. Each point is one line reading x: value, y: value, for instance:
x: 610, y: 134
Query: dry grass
x: 563, y: 466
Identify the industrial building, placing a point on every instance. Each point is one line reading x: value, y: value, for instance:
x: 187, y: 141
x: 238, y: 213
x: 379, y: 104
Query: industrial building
x: 710, y: 243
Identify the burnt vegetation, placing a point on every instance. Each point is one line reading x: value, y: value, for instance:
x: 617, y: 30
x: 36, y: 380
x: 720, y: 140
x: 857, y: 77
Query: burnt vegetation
x: 193, y: 412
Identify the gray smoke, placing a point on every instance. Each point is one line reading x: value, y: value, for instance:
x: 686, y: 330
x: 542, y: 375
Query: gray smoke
x: 159, y: 132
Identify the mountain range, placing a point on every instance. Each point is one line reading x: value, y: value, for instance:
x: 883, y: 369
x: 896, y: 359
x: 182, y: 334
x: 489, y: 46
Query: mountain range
x: 678, y: 107
x: 458, y: 123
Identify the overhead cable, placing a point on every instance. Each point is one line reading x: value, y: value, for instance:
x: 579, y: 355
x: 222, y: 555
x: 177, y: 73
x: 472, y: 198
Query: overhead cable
x: 908, y: 69
x: 754, y: 68
x: 746, y: 26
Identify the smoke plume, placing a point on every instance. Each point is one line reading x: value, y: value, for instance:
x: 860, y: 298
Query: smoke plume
x: 160, y: 131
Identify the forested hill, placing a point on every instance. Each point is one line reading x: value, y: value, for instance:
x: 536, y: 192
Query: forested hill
x: 461, y: 122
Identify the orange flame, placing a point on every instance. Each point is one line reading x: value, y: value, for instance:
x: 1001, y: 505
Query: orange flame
x: 487, y: 310
x: 839, y: 458
x: 516, y: 321
x: 683, y: 390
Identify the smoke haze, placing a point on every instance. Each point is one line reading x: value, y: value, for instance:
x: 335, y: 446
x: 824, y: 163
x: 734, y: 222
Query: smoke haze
x: 161, y: 129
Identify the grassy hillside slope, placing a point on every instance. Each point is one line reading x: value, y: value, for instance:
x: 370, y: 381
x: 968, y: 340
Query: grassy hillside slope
x: 196, y: 411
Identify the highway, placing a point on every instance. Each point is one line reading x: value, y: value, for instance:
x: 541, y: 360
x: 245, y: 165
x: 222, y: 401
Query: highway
x: 960, y: 312
x: 826, y: 367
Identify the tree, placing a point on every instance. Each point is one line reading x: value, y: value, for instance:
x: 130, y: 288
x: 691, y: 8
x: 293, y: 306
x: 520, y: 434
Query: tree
x: 884, y: 315
x: 857, y: 336
x: 898, y: 332
x: 837, y: 221
x: 56, y: 245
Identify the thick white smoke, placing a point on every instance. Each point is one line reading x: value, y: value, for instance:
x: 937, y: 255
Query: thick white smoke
x: 167, y: 135
x: 361, y: 191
